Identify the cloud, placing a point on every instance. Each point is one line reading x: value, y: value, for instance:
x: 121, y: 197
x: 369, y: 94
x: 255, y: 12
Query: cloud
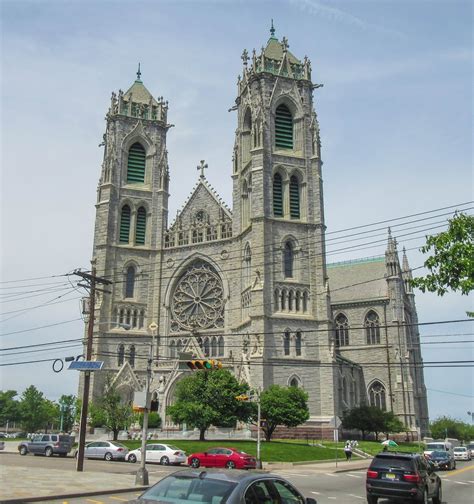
x: 339, y: 16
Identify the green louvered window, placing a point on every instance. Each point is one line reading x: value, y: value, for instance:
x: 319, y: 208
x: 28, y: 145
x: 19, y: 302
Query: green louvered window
x: 140, y: 229
x: 294, y: 198
x: 125, y: 224
x: 136, y: 164
x: 283, y: 128
x: 277, y: 196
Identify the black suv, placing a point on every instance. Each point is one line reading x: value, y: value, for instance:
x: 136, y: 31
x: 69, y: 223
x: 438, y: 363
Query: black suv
x: 47, y: 444
x: 407, y: 477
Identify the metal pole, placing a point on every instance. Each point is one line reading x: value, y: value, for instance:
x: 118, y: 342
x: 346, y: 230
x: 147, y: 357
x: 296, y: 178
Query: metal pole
x: 87, y: 374
x: 141, y: 478
x: 259, y: 461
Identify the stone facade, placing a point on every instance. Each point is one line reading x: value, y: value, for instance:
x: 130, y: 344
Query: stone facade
x: 250, y: 286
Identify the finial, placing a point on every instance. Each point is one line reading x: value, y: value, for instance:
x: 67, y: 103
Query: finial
x: 284, y: 43
x: 139, y: 74
x: 202, y: 167
x: 272, y: 31
x: 245, y: 57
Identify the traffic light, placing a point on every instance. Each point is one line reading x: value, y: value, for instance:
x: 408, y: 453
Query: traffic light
x: 203, y: 364
x: 263, y: 423
x: 242, y: 397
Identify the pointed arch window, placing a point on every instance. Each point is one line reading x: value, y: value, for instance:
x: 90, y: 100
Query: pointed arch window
x: 220, y: 346
x: 131, y: 356
x: 136, y: 164
x: 277, y: 195
x: 294, y: 197
x: 140, y: 228
x: 121, y: 355
x: 298, y: 344
x: 288, y: 259
x: 213, y: 347
x: 294, y: 382
x: 377, y: 395
x: 342, y: 330
x: 206, y: 347
x: 286, y: 343
x: 130, y: 282
x: 125, y: 224
x: 372, y: 328
x: 247, y: 265
x: 283, y: 128
x: 172, y: 350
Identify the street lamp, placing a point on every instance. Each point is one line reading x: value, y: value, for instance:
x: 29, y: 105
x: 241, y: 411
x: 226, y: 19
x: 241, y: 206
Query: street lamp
x: 471, y: 414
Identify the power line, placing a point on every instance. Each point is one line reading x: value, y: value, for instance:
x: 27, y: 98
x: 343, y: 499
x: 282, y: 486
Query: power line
x: 40, y: 327
x: 450, y: 393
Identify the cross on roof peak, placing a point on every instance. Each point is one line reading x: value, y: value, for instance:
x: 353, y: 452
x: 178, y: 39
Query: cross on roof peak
x: 202, y: 166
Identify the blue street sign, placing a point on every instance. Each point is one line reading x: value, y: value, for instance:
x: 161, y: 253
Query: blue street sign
x: 86, y: 365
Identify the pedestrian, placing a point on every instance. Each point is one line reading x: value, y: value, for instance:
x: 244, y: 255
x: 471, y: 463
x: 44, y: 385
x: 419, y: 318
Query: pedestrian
x: 348, y: 451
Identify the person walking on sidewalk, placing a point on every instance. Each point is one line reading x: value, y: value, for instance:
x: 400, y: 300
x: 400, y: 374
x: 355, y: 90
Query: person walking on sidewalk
x: 348, y: 451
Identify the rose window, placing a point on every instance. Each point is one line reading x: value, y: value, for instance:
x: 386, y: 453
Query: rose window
x: 198, y: 299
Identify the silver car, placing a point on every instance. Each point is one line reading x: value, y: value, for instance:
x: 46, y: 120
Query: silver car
x: 106, y: 450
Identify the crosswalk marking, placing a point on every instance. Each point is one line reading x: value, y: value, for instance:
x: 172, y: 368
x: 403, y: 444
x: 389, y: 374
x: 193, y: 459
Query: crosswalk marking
x: 354, y: 476
x: 356, y: 496
x: 460, y: 482
x: 331, y: 474
x: 119, y: 498
x: 316, y: 493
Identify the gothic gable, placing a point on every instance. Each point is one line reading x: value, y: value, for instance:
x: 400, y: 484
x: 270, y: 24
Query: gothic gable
x: 203, y: 207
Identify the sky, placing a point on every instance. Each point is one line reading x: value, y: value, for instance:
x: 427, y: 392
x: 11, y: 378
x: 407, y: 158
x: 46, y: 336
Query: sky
x: 395, y: 115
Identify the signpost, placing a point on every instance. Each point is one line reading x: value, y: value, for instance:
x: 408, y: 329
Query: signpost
x: 335, y: 423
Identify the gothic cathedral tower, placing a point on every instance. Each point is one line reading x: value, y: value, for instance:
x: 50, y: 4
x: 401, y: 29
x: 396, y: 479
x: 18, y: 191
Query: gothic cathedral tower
x: 279, y: 218
x: 131, y: 217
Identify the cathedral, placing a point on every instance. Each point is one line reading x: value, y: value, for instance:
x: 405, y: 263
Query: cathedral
x: 246, y: 285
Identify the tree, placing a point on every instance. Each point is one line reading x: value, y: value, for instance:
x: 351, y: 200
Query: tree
x: 9, y: 407
x: 34, y: 410
x: 154, y: 420
x: 283, y: 406
x: 444, y: 427
x: 366, y: 419
x: 209, y: 398
x: 110, y: 411
x: 67, y: 403
x: 451, y: 263
x: 393, y: 425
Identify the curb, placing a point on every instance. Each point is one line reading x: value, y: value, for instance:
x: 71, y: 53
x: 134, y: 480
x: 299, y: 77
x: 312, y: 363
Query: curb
x: 71, y: 495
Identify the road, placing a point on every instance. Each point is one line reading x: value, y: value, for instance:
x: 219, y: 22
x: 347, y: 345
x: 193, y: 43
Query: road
x: 327, y: 488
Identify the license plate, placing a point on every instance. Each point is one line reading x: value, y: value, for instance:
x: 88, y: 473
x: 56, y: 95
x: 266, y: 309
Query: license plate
x: 390, y: 476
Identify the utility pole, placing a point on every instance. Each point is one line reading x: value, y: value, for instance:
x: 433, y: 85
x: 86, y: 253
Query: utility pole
x: 92, y: 278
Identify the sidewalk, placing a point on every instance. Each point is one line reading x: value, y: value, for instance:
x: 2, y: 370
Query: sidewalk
x: 21, y: 484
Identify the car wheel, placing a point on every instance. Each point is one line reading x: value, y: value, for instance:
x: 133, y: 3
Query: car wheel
x: 438, y: 498
x: 230, y: 465
x: 371, y: 500
x: 195, y: 462
x: 132, y: 458
x: 108, y: 457
x: 23, y: 450
x: 164, y: 461
x: 48, y: 452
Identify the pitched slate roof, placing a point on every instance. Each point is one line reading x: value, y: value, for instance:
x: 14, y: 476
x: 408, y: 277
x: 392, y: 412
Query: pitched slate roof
x: 274, y: 50
x: 359, y: 280
x: 140, y: 93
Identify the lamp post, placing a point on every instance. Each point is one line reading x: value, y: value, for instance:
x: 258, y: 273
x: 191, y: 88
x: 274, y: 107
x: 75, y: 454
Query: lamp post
x: 471, y: 414
x: 141, y: 478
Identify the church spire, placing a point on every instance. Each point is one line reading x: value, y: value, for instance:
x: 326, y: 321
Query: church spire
x: 391, y: 255
x: 272, y: 31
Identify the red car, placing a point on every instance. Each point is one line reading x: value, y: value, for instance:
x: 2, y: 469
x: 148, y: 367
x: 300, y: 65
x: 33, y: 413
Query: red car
x: 223, y: 457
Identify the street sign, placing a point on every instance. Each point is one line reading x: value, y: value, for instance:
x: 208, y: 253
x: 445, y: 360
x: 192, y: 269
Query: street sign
x: 335, y: 422
x: 86, y: 365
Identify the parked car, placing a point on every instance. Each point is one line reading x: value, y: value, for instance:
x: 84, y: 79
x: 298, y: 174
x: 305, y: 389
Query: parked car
x: 160, y: 453
x: 442, y: 460
x: 462, y: 453
x: 470, y: 447
x: 106, y: 450
x: 406, y: 477
x: 223, y: 457
x: 216, y: 486
x: 47, y: 444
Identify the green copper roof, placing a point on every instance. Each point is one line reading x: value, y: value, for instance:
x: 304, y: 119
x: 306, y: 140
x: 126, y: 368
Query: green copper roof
x: 140, y: 93
x: 274, y: 50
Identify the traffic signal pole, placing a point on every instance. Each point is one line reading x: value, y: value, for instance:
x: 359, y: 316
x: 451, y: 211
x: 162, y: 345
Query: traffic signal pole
x: 259, y: 460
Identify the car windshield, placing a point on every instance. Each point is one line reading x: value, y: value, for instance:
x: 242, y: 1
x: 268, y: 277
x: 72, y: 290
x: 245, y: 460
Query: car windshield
x: 435, y: 446
x: 184, y: 489
x: 381, y: 462
x: 118, y: 445
x: 460, y: 449
x: 440, y: 454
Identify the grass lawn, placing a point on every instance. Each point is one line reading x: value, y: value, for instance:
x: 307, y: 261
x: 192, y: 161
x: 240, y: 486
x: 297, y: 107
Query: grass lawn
x: 275, y: 451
